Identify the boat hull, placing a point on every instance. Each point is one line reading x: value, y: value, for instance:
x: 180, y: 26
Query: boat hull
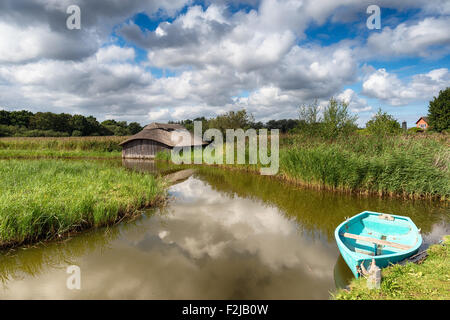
x: 401, y: 231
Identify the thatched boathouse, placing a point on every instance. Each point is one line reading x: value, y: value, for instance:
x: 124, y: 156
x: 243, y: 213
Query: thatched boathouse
x: 152, y: 139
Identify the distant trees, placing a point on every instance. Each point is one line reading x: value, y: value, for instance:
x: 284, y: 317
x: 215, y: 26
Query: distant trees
x: 240, y: 119
x: 382, y: 124
x: 232, y: 120
x: 439, y: 111
x: 335, y: 120
x: 284, y: 125
x: 42, y: 124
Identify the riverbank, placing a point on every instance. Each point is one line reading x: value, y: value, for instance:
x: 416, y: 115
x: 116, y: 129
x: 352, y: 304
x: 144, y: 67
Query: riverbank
x: 405, y: 166
x: 429, y: 280
x: 50, y: 199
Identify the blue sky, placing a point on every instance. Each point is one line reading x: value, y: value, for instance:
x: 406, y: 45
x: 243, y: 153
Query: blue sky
x: 157, y: 61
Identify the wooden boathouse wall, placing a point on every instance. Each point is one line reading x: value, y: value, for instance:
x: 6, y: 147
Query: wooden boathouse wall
x: 143, y: 149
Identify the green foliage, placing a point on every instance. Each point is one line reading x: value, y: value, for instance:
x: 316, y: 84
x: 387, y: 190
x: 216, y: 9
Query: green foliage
x: 77, y: 133
x: 414, y: 130
x: 337, y: 120
x: 45, y: 199
x: 309, y: 114
x: 232, y: 120
x: 383, y: 124
x: 439, y: 111
x: 284, y: 125
x: 134, y: 127
x: 48, y: 124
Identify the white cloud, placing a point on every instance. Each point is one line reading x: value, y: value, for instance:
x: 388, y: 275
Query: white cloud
x: 427, y: 37
x: 388, y: 87
x: 114, y: 53
x: 355, y: 103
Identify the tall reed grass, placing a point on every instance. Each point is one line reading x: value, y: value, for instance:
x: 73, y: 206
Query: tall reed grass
x: 404, y: 165
x: 87, y: 144
x: 46, y: 199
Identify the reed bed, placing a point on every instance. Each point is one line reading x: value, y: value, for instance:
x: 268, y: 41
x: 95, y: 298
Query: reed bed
x: 402, y: 166
x: 48, y: 199
x: 406, y: 166
x: 88, y: 144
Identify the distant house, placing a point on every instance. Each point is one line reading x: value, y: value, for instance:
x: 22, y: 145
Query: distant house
x: 423, y: 123
x: 152, y: 139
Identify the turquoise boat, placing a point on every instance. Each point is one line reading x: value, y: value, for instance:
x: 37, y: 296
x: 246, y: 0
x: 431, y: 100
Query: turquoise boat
x: 372, y: 235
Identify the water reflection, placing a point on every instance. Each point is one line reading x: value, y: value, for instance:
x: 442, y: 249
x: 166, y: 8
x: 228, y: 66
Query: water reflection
x: 224, y: 235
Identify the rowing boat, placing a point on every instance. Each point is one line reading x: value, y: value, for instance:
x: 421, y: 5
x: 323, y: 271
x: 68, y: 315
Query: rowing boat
x: 371, y: 235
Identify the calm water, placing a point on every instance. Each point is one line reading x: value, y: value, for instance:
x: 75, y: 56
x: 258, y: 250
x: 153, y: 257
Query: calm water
x: 223, y: 235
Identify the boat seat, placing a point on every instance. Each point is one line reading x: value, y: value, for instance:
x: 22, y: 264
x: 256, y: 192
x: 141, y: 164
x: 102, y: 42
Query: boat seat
x: 376, y: 241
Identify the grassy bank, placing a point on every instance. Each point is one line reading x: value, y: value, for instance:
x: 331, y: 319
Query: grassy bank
x: 47, y: 199
x: 61, y: 147
x: 428, y: 280
x: 406, y: 166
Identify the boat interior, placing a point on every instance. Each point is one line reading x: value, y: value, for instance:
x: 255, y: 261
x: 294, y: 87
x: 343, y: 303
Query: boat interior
x: 375, y: 235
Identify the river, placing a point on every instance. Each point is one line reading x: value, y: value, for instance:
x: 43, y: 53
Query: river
x: 223, y: 235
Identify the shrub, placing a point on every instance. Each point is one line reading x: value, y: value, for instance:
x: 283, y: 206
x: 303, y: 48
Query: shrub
x: 383, y: 124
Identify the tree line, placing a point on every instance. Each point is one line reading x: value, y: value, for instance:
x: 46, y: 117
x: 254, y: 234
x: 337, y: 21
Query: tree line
x: 47, y: 124
x: 331, y: 121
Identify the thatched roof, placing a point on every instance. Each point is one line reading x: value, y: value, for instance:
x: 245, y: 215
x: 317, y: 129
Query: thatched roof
x: 165, y: 126
x: 162, y: 133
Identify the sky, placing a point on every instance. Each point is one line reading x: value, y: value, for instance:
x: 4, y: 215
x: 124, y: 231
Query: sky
x: 157, y: 60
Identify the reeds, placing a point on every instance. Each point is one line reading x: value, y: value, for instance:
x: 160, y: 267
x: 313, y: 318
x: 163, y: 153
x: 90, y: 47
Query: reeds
x: 89, y: 144
x: 401, y: 165
x: 47, y: 199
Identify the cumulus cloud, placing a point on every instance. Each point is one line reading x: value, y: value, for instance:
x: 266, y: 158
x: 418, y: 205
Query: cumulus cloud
x: 355, y: 103
x: 388, y: 87
x: 424, y: 38
x: 212, y: 54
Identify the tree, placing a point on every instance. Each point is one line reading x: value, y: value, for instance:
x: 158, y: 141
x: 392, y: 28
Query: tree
x: 309, y: 113
x: 309, y: 119
x: 43, y: 121
x: 383, y: 124
x: 337, y: 120
x: 134, y: 127
x: 232, y: 120
x: 439, y: 111
x: 284, y: 125
x: 21, y: 118
x: 5, y: 117
x: 80, y: 124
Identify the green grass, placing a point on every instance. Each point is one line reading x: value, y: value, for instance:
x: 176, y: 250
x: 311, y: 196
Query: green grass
x: 56, y: 154
x: 46, y: 199
x: 61, y: 147
x: 428, y: 280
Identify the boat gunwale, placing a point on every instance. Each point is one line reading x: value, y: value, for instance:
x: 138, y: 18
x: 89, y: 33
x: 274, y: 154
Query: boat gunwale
x: 357, y: 256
